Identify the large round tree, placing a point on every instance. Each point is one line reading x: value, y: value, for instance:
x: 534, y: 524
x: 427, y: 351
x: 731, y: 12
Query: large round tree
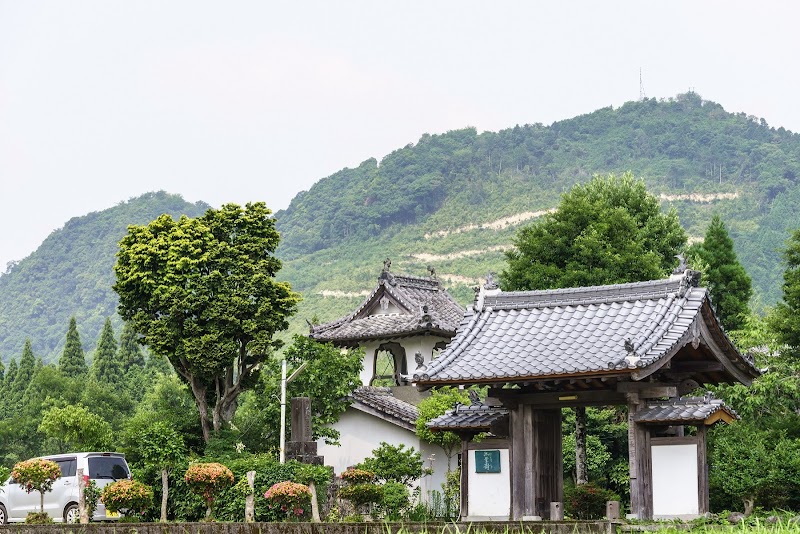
x: 202, y: 293
x: 608, y: 231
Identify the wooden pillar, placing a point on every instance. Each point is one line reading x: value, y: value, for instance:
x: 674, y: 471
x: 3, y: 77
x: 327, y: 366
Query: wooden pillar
x: 536, y: 460
x: 521, y: 460
x: 548, y: 469
x: 639, y: 462
x: 702, y: 470
x: 464, y: 476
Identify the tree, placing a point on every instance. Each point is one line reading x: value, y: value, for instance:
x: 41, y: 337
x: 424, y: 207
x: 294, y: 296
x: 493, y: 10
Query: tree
x: 202, y: 293
x: 73, y: 360
x: 440, y: 401
x: 105, y: 366
x: 162, y: 448
x: 27, y: 364
x: 608, y: 231
x: 75, y: 427
x: 786, y: 318
x: 728, y: 283
x: 329, y: 377
x: 36, y: 474
x: 129, y: 353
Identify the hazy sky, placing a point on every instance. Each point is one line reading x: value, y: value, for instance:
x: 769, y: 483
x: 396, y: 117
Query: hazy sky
x: 239, y: 101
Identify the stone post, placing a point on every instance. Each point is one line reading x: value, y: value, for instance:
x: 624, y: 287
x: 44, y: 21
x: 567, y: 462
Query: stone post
x: 249, y: 503
x: 84, y: 513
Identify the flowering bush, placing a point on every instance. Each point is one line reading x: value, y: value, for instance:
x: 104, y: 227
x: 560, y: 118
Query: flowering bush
x: 36, y: 475
x: 290, y: 497
x: 129, y: 496
x: 207, y: 480
x: 358, y: 476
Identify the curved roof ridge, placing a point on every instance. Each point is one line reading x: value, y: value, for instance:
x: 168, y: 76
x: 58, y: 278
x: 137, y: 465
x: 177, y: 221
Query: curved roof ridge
x: 655, y: 289
x: 451, y: 352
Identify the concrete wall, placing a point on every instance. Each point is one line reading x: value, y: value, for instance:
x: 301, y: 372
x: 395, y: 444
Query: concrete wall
x: 516, y: 527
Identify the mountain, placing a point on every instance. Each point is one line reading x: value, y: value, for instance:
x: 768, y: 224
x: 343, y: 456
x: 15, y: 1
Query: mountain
x: 455, y: 200
x: 71, y: 273
x: 452, y: 202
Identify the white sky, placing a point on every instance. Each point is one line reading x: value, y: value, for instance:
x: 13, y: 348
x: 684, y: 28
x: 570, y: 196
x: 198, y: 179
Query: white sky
x: 251, y: 100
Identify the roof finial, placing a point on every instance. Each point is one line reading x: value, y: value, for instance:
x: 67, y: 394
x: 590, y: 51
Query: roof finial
x: 431, y: 272
x: 682, y: 265
x: 490, y: 281
x: 387, y: 265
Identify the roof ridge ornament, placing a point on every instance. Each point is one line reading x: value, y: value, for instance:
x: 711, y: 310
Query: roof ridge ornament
x: 385, y: 273
x: 431, y: 272
x: 689, y: 279
x: 682, y: 264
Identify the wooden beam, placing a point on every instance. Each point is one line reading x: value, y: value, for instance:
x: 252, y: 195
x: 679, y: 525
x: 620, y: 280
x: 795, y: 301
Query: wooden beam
x: 648, y: 390
x: 697, y: 367
x: 561, y: 399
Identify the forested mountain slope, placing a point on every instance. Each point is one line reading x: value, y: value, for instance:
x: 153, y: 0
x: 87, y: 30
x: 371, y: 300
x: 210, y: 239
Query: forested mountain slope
x: 452, y: 201
x: 455, y: 200
x: 71, y: 273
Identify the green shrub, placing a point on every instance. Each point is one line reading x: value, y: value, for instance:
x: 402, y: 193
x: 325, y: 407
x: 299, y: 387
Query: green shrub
x: 127, y: 496
x: 395, y: 463
x: 394, y: 501
x: 362, y: 494
x: 587, y: 501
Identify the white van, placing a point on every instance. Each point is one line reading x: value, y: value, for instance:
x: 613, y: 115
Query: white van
x: 62, y: 502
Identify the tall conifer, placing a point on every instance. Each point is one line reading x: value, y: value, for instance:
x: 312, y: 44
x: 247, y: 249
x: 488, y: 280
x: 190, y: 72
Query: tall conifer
x: 105, y: 367
x: 24, y: 372
x: 728, y: 282
x: 73, y: 360
x: 11, y: 374
x: 130, y: 353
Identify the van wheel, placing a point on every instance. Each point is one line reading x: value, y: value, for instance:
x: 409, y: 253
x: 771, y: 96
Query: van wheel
x: 3, y: 515
x: 71, y: 514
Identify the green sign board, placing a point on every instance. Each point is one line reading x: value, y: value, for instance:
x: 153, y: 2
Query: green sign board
x: 487, y: 461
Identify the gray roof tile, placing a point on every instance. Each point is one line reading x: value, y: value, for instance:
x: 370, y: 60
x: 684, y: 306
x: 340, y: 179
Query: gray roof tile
x: 536, y: 334
x: 412, y: 295
x: 382, y: 401
x: 477, y: 417
x: 683, y: 410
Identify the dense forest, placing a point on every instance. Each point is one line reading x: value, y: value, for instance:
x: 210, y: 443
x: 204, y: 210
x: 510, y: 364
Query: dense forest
x: 71, y: 274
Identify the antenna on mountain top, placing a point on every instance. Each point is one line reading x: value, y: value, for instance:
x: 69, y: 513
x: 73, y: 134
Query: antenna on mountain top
x: 642, y: 96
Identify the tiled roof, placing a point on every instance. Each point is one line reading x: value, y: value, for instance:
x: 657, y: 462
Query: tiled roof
x: 425, y: 307
x: 685, y: 410
x: 380, y: 401
x: 477, y: 417
x: 509, y: 336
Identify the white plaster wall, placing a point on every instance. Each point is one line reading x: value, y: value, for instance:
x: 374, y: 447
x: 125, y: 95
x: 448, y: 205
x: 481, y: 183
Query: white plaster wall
x: 423, y: 344
x: 489, y: 494
x: 362, y: 433
x: 675, y: 480
x: 433, y: 456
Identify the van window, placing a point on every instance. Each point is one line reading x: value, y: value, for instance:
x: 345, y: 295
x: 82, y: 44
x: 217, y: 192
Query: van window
x: 68, y: 466
x: 111, y: 467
